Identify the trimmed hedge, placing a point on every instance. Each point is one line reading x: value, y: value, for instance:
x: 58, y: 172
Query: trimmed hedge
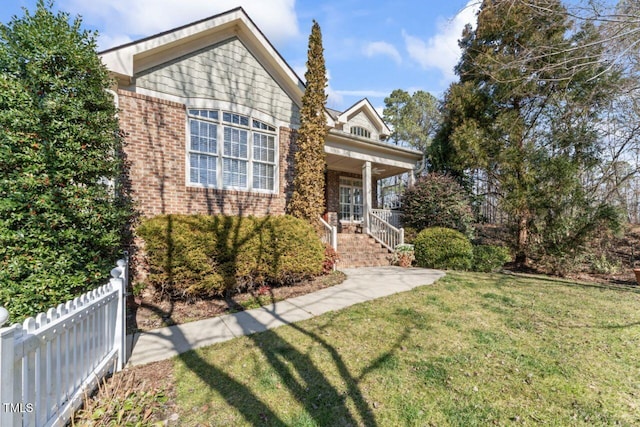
x: 490, y: 258
x: 199, y: 256
x: 443, y: 248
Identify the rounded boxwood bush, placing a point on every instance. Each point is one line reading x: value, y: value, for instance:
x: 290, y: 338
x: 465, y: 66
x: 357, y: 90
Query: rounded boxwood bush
x: 177, y: 252
x: 279, y: 250
x: 443, y: 248
x: 490, y: 258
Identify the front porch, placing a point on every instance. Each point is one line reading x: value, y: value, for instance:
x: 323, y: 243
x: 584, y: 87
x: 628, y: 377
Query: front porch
x: 355, y: 167
x: 346, y: 205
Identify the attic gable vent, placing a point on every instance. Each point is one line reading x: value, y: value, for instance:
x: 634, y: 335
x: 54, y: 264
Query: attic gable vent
x: 360, y: 131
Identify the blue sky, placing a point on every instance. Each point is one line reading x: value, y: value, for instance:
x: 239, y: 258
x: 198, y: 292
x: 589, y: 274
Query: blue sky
x: 371, y: 47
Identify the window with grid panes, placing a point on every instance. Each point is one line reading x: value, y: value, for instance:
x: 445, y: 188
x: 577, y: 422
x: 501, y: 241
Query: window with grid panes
x: 236, y: 152
x: 351, y: 200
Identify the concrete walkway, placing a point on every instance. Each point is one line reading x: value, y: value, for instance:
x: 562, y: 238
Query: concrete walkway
x: 362, y: 284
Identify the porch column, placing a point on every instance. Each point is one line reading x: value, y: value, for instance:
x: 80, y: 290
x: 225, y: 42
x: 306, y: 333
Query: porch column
x: 412, y: 178
x: 366, y: 190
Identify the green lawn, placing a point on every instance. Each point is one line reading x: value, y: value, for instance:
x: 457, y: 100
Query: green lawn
x: 472, y: 349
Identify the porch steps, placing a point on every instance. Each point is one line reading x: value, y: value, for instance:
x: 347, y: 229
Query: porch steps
x: 361, y: 250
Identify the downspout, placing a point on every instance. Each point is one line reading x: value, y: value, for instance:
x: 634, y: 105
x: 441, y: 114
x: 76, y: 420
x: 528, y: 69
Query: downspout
x: 116, y: 99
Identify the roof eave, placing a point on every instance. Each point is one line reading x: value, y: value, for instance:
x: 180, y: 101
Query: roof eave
x: 381, y: 147
x: 123, y: 60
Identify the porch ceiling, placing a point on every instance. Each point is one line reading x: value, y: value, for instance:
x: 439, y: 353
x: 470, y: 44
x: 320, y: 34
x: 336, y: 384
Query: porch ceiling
x: 351, y: 165
x: 347, y: 153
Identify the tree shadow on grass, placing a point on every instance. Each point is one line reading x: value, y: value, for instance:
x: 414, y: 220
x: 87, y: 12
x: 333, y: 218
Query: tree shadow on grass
x: 326, y: 399
x: 237, y: 395
x: 620, y: 286
x: 288, y: 369
x: 323, y: 401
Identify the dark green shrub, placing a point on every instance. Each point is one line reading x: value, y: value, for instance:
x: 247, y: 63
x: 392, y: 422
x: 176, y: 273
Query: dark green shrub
x: 410, y: 234
x: 443, y: 248
x: 489, y: 258
x: 178, y: 249
x: 437, y: 200
x: 61, y: 222
x: 278, y: 250
x: 197, y: 256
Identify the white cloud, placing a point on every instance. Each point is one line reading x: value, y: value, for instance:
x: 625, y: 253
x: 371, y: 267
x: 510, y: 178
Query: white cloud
x: 122, y: 19
x: 382, y: 48
x: 335, y: 100
x: 106, y: 41
x: 441, y: 51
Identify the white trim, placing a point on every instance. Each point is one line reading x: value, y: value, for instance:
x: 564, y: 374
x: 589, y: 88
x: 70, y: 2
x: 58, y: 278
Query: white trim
x: 161, y: 95
x: 121, y: 59
x: 126, y: 60
x: 345, y: 139
x: 352, y: 184
x: 366, y: 195
x: 330, y: 122
x: 213, y: 104
x: 365, y: 106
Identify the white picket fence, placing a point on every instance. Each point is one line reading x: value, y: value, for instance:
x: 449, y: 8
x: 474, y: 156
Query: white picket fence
x: 49, y: 362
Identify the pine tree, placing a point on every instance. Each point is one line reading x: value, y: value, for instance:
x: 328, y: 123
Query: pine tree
x: 61, y: 214
x: 307, y: 201
x: 522, y: 114
x: 413, y: 118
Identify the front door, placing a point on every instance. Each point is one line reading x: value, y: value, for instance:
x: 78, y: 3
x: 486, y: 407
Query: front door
x: 350, y: 200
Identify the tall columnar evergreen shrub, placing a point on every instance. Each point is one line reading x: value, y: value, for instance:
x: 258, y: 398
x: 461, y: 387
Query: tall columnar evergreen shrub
x: 61, y: 214
x: 307, y: 201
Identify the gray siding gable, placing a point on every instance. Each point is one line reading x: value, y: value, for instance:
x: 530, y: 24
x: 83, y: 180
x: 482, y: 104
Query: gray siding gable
x: 226, y: 71
x: 362, y: 120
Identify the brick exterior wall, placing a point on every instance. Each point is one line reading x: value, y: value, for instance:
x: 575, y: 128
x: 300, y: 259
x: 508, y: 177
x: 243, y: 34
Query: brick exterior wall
x: 332, y: 191
x: 155, y: 151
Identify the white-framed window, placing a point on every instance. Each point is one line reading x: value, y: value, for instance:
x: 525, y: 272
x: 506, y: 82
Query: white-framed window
x: 233, y: 151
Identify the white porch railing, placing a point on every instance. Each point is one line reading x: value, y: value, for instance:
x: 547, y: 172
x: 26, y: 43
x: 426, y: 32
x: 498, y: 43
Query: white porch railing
x: 385, y: 233
x: 387, y: 215
x: 49, y: 362
x: 330, y: 235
